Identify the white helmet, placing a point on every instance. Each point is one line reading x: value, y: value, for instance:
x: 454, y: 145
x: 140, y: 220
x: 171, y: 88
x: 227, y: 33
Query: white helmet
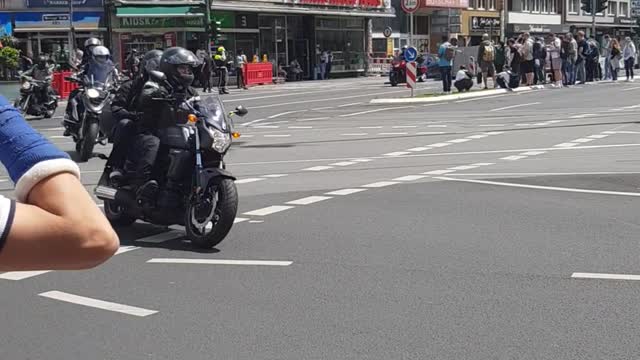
x: 101, y: 54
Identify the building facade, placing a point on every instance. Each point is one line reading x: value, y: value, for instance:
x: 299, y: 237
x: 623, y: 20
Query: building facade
x: 616, y: 20
x: 482, y: 17
x: 538, y: 17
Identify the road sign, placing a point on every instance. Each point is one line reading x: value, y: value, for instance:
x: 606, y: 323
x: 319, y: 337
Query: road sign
x: 411, y: 54
x: 411, y: 75
x: 387, y: 31
x: 410, y: 6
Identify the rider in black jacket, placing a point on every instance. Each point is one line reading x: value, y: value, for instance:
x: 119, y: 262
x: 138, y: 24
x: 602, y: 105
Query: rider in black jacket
x: 41, y: 71
x: 177, y: 64
x: 123, y: 109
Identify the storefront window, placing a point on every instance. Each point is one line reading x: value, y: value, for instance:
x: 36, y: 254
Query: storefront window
x: 624, y: 9
x: 344, y: 37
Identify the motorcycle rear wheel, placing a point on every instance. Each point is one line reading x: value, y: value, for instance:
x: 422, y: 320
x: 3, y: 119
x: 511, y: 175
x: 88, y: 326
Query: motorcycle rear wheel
x: 116, y: 215
x: 207, y: 227
x: 88, y: 141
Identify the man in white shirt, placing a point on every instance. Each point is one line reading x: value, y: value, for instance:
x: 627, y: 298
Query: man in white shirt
x: 463, y: 80
x: 554, y: 48
x: 527, y: 54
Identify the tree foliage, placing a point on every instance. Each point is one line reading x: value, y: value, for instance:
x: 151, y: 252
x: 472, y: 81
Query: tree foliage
x: 9, y: 57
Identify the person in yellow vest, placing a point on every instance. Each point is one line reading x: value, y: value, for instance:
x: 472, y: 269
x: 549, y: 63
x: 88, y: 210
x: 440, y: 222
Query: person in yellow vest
x: 220, y: 59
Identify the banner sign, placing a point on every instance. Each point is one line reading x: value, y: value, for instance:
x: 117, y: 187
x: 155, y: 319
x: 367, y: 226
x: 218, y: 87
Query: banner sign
x: 63, y: 3
x: 157, y: 22
x: 375, y: 4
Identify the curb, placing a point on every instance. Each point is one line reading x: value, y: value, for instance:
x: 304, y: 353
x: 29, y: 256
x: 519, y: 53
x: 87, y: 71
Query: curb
x: 468, y: 95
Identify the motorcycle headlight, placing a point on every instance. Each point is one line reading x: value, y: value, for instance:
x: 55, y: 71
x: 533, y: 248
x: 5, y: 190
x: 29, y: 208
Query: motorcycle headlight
x: 26, y: 85
x: 93, y: 93
x: 221, y: 141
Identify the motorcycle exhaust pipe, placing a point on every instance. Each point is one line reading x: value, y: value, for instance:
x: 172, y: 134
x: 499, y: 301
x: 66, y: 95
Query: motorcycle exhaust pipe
x: 105, y: 192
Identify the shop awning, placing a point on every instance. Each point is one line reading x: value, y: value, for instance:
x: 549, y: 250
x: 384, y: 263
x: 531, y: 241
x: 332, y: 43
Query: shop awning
x: 261, y: 7
x: 158, y: 11
x: 57, y: 22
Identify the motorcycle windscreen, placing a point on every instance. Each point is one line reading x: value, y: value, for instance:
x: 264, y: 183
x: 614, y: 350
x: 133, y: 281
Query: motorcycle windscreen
x: 100, y: 73
x: 211, y: 108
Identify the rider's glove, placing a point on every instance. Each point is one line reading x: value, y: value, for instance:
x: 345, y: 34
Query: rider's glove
x: 27, y: 155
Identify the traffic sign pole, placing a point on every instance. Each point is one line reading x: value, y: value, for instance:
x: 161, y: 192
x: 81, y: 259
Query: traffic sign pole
x: 411, y: 75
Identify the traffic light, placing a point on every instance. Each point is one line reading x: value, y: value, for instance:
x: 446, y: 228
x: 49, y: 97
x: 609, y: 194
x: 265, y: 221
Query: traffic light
x: 216, y: 29
x: 586, y: 6
x: 601, y: 5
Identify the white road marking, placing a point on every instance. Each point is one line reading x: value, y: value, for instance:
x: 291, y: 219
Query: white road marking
x: 240, y: 219
x: 481, y: 98
x: 380, y: 184
x: 583, y: 140
x: 437, y: 145
x: 547, y: 173
x: 597, y: 136
x: 299, y: 127
x: 343, y: 163
x: 268, y: 210
x: 278, y: 135
x: 483, y: 164
x: 370, y: 127
x: 57, y: 137
x: 430, y: 133
x: 437, y: 126
x: 539, y: 187
x: 463, y: 167
x: 314, y: 119
x: 247, y: 136
x: 397, y: 153
x: 162, y: 237
x: 533, y: 153
x: 266, y: 127
x: 125, y: 249
x: 524, y: 124
x: 494, y: 132
x: 393, y: 133
x: 351, y: 104
x: 309, y: 200
x: 256, y: 221
x: 458, y: 141
x: 492, y: 125
x: 318, y: 168
x: 248, y: 180
x: 565, y: 145
x: 514, y: 106
x: 252, y: 122
x: 52, y: 129
x: 479, y: 136
x: 344, y: 192
x: 285, y: 113
x: 582, y: 116
x: 275, y: 175
x: 362, y: 160
x: 403, y: 126
x: 631, y: 88
x: 438, y: 172
x: 513, y: 157
x: 373, y: 111
x: 419, y: 149
x: 601, y: 276
x: 354, y: 134
x: 219, y: 262
x: 99, y: 304
x: 410, y: 178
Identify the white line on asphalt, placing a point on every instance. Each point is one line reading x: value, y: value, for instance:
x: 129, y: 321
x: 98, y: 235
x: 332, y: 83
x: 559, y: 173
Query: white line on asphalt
x: 397, y: 153
x: 219, y: 262
x: 370, y: 127
x: 601, y: 276
x: 494, y: 132
x: 285, y: 113
x: 533, y: 153
x: 479, y: 136
x: 437, y: 126
x: 268, y: 210
x: 318, y: 168
x: 343, y: 163
x: 287, y: 94
x: 513, y: 157
x: 585, y: 140
x: 125, y: 249
x: 410, y: 178
x: 514, y: 106
x: 631, y: 88
x: 252, y: 122
x: 299, y: 127
x: 248, y: 180
x: 492, y: 125
x: 278, y: 135
x: 351, y: 104
x: 239, y: 220
x: 162, y: 237
x: 51, y: 129
x: 463, y: 167
x: 483, y: 164
x: 373, y: 110
x: 322, y: 108
x: 437, y: 145
x: 313, y: 119
x: 275, y: 175
x: 539, y: 187
x: 266, y: 127
x: 99, y: 304
x: 524, y: 124
x: 380, y: 184
x: 404, y: 126
x: 362, y: 160
x: 458, y: 141
x: 481, y: 98
x: 256, y: 221
x: 421, y: 148
x: 247, y: 136
x: 344, y: 192
x: 569, y: 144
x: 438, y: 172
x: 582, y: 116
x: 57, y: 137
x: 546, y: 173
x: 318, y: 100
x: 430, y: 133
x: 393, y: 133
x: 597, y: 136
x: 309, y: 200
x: 354, y: 134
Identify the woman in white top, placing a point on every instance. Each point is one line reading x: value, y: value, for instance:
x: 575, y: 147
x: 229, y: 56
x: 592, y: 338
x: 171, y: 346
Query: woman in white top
x: 629, y: 55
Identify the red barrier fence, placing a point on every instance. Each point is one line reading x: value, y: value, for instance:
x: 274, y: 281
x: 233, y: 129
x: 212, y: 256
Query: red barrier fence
x: 62, y: 86
x: 258, y: 73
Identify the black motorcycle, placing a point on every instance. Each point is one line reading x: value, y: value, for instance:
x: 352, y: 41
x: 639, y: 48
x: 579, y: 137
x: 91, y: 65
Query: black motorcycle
x: 195, y: 190
x: 31, y: 100
x: 90, y: 109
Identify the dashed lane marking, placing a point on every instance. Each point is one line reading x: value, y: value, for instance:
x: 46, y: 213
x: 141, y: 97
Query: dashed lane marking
x: 597, y: 136
x: 533, y: 153
x: 299, y: 127
x: 404, y: 126
x: 268, y: 210
x: 483, y: 164
x: 285, y: 113
x: 430, y: 133
x: 600, y: 276
x: 410, y: 178
x: 370, y: 127
x: 437, y: 145
x: 277, y: 135
x: 219, y: 262
x: 565, y: 145
x: 275, y: 175
x: 374, y: 110
x: 343, y: 163
x: 380, y: 184
x: 458, y: 141
x: 513, y: 157
x: 582, y: 116
x: 99, y: 304
x: 583, y: 140
x: 437, y: 126
x: 362, y: 160
x: 344, y: 192
x: 351, y: 104
x: 162, y: 237
x: 397, y: 153
x: 422, y: 148
x: 479, y: 136
x: 514, y: 106
x: 393, y: 133
x: 313, y: 119
x: 463, y: 167
x: 354, y: 134
x: 438, y: 172
x: 318, y: 168
x: 239, y: 220
x: 248, y: 180
x: 309, y: 200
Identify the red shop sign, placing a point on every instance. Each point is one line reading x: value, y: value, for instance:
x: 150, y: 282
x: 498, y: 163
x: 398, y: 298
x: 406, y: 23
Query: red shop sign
x: 343, y: 3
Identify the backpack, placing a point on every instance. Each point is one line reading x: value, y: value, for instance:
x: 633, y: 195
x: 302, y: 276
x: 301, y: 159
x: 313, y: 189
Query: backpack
x: 489, y: 54
x: 449, y: 53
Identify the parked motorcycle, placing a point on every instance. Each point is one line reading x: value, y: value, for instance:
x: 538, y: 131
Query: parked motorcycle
x: 91, y: 108
x: 30, y: 102
x: 398, y: 72
x: 194, y: 190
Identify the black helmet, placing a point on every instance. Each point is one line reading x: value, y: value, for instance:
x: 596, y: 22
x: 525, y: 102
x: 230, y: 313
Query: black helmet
x: 42, y: 61
x: 91, y: 43
x: 178, y: 63
x: 151, y: 61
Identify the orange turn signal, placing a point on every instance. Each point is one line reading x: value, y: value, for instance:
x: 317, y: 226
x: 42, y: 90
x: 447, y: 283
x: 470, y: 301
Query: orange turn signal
x: 235, y: 135
x: 192, y: 118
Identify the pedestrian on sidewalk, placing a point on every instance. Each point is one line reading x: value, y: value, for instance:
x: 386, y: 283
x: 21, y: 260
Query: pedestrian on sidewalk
x: 554, y: 50
x: 527, y: 56
x: 464, y: 80
x: 539, y: 61
x: 629, y: 55
x: 569, y: 58
x: 446, y: 54
x: 514, y: 57
x: 591, y: 59
x: 500, y: 57
x: 241, y: 61
x: 486, y: 57
x: 605, y: 51
x: 583, y: 49
x: 205, y: 73
x: 616, y: 56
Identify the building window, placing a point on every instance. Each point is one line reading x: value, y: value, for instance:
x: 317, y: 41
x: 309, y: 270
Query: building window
x: 574, y: 6
x: 421, y: 25
x: 524, y: 5
x: 492, y: 4
x: 551, y: 6
x: 480, y: 4
x: 612, y: 8
x: 624, y: 9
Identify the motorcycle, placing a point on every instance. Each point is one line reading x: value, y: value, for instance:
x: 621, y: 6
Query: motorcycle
x: 398, y: 72
x: 194, y: 188
x: 29, y: 96
x: 91, y: 108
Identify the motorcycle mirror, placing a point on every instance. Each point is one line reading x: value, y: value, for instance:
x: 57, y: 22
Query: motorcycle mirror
x: 158, y: 76
x: 241, y: 111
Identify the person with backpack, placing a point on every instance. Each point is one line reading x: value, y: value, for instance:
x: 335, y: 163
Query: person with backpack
x: 614, y: 59
x: 539, y: 61
x: 486, y: 57
x: 591, y: 59
x: 583, y: 49
x: 446, y: 54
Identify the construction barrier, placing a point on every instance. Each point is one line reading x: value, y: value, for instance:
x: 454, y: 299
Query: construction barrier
x: 62, y: 86
x: 258, y: 73
x: 380, y: 66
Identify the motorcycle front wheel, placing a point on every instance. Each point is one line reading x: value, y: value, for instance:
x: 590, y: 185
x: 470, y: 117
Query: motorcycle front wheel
x: 393, y: 79
x: 88, y: 141
x: 206, y: 226
x: 116, y: 214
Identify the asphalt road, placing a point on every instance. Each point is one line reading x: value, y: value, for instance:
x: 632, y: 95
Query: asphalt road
x: 470, y: 229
